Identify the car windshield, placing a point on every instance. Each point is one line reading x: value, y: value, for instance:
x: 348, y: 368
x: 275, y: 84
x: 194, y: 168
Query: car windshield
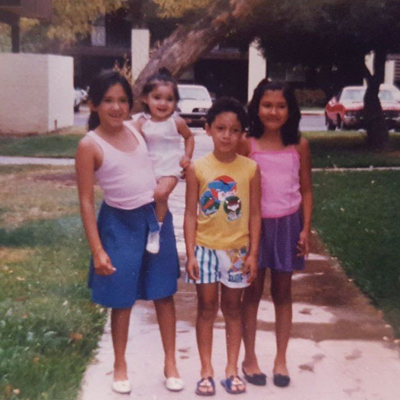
x: 353, y: 95
x: 386, y: 95
x: 192, y: 93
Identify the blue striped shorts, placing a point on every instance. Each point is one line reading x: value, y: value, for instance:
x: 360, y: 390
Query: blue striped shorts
x: 225, y: 266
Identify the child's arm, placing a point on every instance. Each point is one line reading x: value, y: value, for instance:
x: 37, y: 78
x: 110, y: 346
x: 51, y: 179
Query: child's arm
x: 85, y: 164
x: 138, y: 124
x: 190, y: 221
x: 187, y: 135
x: 254, y: 225
x: 307, y: 196
x: 244, y: 146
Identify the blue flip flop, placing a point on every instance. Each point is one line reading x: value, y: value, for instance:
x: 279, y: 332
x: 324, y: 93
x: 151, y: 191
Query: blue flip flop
x: 205, y: 383
x: 233, y: 381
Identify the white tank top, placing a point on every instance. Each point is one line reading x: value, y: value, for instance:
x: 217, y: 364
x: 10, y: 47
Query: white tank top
x: 163, y: 141
x: 127, y: 179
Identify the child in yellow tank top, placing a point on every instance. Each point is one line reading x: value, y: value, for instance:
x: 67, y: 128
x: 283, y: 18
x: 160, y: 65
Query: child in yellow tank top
x: 222, y: 237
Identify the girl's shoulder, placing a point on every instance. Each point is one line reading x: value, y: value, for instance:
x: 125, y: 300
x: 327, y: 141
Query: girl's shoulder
x: 303, y: 148
x: 302, y: 145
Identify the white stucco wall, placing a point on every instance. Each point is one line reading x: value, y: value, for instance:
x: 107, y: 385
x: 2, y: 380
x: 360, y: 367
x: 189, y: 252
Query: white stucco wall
x: 37, y: 90
x: 61, y: 92
x: 140, y: 50
x: 257, y: 69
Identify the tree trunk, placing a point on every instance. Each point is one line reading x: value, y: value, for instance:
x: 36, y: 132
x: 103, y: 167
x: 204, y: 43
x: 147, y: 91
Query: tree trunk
x: 189, y: 42
x: 377, y: 131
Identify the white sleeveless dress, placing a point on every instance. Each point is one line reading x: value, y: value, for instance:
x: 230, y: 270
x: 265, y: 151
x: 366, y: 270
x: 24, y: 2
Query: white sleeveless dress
x: 164, y: 145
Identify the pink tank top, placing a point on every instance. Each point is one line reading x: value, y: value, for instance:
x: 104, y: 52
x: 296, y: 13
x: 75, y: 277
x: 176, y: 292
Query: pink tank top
x: 280, y: 180
x: 127, y: 179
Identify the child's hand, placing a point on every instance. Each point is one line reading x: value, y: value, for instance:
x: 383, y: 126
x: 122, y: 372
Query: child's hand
x: 102, y: 263
x: 250, y: 267
x: 192, y: 269
x: 303, y: 245
x: 185, y: 161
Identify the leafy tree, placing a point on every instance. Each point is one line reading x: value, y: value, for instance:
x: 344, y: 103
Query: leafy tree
x: 197, y: 37
x: 325, y: 33
x: 71, y: 20
x: 338, y: 34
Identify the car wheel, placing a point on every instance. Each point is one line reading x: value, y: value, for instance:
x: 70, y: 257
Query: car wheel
x: 330, y: 126
x: 342, y: 126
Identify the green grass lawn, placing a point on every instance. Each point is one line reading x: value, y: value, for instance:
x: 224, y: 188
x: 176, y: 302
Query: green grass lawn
x: 357, y: 215
x: 52, y: 145
x: 48, y: 326
x: 349, y: 150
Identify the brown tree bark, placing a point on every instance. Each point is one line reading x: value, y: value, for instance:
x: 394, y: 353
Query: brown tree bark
x: 377, y: 131
x: 189, y: 42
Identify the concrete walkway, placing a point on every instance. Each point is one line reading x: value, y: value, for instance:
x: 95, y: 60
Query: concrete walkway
x: 341, y: 348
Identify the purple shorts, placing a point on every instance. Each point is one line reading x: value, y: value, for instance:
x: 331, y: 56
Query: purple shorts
x: 278, y: 244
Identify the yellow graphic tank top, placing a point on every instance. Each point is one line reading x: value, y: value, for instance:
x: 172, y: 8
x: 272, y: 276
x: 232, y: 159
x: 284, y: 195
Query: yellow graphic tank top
x: 224, y: 202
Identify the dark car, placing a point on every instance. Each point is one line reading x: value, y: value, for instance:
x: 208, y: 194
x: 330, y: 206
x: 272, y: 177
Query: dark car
x: 345, y: 110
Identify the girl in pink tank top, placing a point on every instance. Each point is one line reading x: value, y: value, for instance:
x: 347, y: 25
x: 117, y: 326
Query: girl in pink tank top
x: 285, y: 163
x: 121, y: 270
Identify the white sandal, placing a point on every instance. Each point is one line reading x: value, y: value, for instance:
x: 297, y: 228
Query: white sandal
x: 122, y: 387
x: 174, y: 384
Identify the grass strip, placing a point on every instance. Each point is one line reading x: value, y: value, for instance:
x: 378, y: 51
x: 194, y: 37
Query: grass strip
x: 357, y: 215
x: 51, y: 145
x: 48, y: 327
x: 348, y: 149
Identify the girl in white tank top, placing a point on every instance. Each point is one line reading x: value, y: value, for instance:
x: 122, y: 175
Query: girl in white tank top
x: 163, y: 129
x: 115, y: 154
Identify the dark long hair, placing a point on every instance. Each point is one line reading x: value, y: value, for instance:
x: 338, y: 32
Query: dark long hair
x: 290, y: 133
x: 98, y: 88
x: 162, y: 77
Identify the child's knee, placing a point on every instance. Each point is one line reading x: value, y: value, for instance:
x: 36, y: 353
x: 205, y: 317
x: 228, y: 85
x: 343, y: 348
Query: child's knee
x: 208, y: 310
x: 231, y: 309
x: 281, y: 298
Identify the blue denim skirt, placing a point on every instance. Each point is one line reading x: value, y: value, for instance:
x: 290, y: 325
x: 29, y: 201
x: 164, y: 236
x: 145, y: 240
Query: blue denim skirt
x: 278, y: 245
x: 139, y: 275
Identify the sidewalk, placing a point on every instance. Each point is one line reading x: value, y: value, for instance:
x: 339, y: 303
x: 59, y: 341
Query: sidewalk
x: 341, y: 348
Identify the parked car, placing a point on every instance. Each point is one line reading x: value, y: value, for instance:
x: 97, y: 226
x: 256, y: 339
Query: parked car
x: 345, y: 110
x: 80, y: 95
x: 195, y: 100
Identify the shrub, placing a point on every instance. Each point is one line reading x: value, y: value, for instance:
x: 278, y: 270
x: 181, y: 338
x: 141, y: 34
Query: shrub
x: 310, y: 98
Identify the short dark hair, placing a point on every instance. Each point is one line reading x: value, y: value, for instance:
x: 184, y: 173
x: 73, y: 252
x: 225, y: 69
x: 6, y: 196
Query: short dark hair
x: 227, y: 104
x: 162, y: 77
x: 290, y: 133
x: 98, y: 88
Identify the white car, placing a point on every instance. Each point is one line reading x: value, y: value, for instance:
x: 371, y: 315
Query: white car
x: 195, y: 100
x: 80, y: 96
x: 393, y: 89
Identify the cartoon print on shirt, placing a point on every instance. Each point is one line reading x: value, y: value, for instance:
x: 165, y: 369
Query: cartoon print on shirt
x: 222, y: 189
